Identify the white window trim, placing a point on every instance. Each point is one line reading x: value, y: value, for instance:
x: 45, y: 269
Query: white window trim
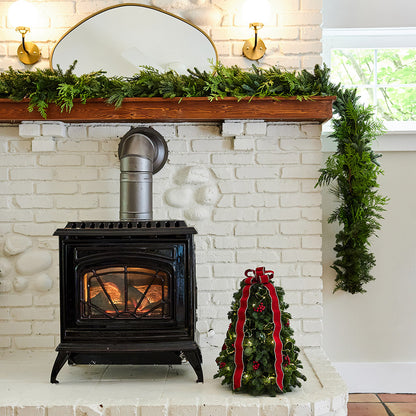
x: 366, y: 38
x: 393, y: 140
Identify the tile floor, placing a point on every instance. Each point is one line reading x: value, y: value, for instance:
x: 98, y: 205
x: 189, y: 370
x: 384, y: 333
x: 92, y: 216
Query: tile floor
x: 382, y: 404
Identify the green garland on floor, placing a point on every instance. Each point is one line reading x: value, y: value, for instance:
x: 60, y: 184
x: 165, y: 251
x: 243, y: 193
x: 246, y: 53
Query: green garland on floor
x: 353, y: 169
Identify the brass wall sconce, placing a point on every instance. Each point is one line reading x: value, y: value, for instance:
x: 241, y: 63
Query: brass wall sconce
x: 27, y: 52
x: 21, y: 14
x: 254, y: 48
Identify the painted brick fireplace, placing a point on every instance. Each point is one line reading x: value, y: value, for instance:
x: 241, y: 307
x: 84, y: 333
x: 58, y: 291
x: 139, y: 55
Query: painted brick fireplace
x: 248, y: 188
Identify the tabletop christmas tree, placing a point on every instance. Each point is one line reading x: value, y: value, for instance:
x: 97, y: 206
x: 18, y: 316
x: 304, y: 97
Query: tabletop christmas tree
x: 259, y: 355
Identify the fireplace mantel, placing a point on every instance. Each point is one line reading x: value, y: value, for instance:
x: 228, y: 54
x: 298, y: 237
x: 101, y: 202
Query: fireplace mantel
x: 190, y: 109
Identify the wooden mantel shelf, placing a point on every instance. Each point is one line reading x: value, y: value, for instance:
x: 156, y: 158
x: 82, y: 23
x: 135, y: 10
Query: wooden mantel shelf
x: 318, y: 109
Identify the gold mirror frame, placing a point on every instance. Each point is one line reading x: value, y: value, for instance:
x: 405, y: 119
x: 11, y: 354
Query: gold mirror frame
x: 155, y: 51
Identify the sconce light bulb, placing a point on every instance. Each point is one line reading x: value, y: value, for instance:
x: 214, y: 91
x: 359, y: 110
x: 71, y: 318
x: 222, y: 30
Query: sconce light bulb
x: 22, y: 14
x: 256, y: 11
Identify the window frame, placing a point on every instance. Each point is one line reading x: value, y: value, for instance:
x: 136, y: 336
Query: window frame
x: 371, y: 38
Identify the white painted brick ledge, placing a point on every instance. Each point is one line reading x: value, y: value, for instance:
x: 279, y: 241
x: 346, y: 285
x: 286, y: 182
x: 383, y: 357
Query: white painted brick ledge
x: 158, y: 390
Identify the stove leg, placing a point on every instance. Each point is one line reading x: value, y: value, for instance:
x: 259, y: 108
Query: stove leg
x: 61, y: 359
x: 195, y: 359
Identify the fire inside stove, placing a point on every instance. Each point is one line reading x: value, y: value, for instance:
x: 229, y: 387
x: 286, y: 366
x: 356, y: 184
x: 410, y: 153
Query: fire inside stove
x: 125, y: 293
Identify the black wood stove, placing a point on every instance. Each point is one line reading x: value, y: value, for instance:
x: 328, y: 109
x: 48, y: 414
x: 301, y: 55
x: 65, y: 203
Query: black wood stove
x: 127, y: 292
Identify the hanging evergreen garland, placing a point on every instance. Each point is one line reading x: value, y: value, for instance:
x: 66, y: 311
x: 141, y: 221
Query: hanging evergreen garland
x: 352, y: 170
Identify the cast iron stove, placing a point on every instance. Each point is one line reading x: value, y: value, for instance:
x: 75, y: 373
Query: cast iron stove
x: 128, y: 288
x: 127, y: 293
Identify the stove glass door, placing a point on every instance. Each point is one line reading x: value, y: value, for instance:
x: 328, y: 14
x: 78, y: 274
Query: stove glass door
x: 124, y: 292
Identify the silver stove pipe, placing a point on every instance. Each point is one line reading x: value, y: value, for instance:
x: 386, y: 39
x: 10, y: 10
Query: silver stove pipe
x: 142, y: 152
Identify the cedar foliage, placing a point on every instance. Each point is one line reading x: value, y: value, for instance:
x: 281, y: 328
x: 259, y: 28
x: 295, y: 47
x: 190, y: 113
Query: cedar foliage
x: 45, y: 86
x: 259, y: 376
x: 352, y: 170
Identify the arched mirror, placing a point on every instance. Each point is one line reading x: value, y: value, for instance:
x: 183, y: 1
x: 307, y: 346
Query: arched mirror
x: 122, y: 38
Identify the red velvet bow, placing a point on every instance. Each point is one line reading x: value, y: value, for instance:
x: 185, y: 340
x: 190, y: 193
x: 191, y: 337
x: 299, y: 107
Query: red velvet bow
x: 259, y: 275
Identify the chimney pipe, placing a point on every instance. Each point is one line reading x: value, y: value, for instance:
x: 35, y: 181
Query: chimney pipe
x: 142, y: 152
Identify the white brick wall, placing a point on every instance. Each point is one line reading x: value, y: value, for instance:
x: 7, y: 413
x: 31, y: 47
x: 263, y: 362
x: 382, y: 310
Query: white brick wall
x: 292, y: 35
x: 267, y: 213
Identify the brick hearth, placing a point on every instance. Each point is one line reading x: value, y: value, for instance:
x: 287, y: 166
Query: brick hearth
x: 157, y: 390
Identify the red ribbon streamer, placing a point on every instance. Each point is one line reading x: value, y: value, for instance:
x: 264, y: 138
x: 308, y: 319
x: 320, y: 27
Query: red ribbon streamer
x: 262, y: 276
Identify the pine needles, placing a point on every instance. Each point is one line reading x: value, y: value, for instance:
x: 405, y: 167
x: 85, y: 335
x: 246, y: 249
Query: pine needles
x: 352, y: 172
x: 43, y: 87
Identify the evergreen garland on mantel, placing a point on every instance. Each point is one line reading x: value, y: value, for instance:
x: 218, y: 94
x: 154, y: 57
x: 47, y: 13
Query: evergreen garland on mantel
x: 353, y: 169
x: 45, y: 86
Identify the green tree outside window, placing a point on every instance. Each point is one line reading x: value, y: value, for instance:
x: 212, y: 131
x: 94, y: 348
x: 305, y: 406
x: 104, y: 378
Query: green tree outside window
x: 384, y: 78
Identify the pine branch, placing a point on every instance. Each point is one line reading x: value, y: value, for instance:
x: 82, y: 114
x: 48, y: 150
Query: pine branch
x: 352, y: 173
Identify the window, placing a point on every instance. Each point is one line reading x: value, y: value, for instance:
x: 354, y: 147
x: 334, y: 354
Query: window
x: 381, y: 64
